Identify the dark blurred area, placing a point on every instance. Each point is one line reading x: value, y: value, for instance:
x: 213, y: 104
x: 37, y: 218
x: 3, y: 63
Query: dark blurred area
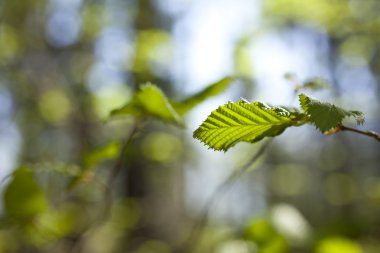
x: 72, y: 179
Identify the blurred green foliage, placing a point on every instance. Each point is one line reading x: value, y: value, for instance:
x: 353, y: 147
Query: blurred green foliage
x: 83, y: 181
x: 23, y: 197
x: 149, y: 101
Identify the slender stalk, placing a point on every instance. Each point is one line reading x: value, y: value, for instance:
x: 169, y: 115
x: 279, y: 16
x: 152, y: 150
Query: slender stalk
x: 371, y: 134
x: 117, y: 167
x: 195, y: 236
x: 114, y: 171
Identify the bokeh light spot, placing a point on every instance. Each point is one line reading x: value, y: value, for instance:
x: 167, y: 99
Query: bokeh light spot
x: 161, y: 147
x: 290, y: 180
x: 338, y: 245
x: 54, y: 106
x: 340, y: 189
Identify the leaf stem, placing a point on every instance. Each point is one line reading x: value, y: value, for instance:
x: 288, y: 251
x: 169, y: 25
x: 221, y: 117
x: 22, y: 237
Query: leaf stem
x: 203, y: 219
x: 117, y: 167
x: 371, y: 134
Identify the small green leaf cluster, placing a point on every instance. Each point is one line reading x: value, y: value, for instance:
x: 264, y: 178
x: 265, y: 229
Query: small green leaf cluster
x: 150, y: 101
x: 326, y: 116
x: 251, y: 122
x: 312, y: 84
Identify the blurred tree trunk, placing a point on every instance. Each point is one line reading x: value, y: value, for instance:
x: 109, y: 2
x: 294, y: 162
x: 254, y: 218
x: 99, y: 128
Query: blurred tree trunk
x: 158, y: 194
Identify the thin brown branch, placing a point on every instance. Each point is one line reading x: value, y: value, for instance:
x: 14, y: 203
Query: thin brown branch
x: 371, y: 134
x: 194, y: 237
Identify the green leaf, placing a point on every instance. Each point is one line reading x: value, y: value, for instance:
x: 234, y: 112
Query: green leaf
x: 243, y: 122
x: 326, y: 116
x: 214, y: 89
x: 316, y: 84
x: 23, y: 197
x: 107, y: 152
x: 149, y: 100
x: 94, y: 158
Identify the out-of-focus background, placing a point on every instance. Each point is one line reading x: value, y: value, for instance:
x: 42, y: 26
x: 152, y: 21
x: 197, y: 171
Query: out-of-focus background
x: 64, y: 64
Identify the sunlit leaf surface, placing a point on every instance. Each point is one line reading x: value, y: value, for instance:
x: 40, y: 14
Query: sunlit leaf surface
x: 242, y: 122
